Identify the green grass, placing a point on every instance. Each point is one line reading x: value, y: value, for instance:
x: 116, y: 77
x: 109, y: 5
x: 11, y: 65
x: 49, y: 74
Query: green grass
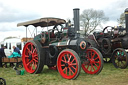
x: 108, y: 76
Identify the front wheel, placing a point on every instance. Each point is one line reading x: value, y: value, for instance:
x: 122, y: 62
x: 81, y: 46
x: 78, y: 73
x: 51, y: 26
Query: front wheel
x: 120, y: 58
x: 68, y: 64
x: 93, y: 61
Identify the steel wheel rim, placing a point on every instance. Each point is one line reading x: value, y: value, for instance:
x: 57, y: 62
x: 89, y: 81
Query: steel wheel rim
x: 2, y: 81
x: 30, y: 57
x: 67, y: 65
x: 92, y: 64
x: 120, y: 59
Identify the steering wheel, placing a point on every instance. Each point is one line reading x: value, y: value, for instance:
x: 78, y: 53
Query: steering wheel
x: 108, y: 33
x: 58, y: 33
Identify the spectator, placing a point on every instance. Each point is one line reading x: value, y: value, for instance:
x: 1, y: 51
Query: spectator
x: 16, y: 49
x: 2, y: 54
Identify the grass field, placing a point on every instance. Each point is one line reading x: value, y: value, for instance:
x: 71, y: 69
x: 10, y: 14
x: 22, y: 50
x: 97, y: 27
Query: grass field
x: 108, y: 76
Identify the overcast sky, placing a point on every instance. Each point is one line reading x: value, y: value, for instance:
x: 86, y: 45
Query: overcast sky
x: 16, y: 11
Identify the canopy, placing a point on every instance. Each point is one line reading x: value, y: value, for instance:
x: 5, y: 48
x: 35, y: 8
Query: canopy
x: 43, y: 22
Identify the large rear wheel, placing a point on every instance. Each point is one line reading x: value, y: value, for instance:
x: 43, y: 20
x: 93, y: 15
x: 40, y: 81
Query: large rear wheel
x: 120, y: 58
x: 93, y: 61
x: 68, y: 64
x: 33, y: 57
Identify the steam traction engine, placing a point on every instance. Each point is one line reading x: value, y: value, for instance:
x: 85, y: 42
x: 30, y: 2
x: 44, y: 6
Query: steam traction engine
x: 113, y: 43
x: 60, y: 46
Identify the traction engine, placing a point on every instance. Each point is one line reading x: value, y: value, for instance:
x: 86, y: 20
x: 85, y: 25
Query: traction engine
x: 113, y: 43
x: 60, y: 47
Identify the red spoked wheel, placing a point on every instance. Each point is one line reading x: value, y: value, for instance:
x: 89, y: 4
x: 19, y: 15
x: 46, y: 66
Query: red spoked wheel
x: 68, y: 64
x: 120, y: 58
x: 32, y: 57
x: 93, y: 61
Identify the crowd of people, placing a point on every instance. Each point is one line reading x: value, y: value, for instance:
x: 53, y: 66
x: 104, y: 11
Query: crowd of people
x: 16, y: 50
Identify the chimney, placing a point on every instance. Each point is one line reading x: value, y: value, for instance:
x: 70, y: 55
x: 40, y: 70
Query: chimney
x: 76, y: 19
x: 126, y: 19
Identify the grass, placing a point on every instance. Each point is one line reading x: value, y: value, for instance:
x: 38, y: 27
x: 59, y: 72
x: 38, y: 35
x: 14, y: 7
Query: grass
x: 108, y: 76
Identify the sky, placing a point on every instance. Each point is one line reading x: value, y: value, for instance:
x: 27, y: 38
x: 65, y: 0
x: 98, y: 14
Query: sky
x: 13, y: 12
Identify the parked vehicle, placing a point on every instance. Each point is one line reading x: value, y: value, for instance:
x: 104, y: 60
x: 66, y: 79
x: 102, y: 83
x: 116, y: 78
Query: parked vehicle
x: 113, y: 43
x: 17, y: 60
x: 10, y: 43
x: 60, y: 45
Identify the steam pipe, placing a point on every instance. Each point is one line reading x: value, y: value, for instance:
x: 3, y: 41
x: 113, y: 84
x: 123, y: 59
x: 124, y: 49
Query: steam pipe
x: 126, y: 19
x: 76, y: 19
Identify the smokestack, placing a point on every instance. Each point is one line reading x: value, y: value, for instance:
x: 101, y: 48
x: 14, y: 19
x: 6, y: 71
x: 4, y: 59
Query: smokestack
x: 126, y: 19
x: 76, y: 19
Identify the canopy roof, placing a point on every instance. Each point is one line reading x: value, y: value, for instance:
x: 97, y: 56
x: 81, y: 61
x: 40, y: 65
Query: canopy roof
x: 43, y: 22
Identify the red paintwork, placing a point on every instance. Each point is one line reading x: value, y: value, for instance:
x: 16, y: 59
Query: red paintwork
x: 93, y: 63
x: 30, y: 65
x: 67, y: 72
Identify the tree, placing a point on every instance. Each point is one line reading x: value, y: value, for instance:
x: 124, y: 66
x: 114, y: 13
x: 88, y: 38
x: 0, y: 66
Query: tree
x: 91, y: 18
x: 121, y: 20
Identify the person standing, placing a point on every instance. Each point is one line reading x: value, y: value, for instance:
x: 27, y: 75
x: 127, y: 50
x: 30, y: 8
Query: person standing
x: 2, y: 54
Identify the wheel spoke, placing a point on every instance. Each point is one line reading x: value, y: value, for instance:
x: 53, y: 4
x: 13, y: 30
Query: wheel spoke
x: 96, y: 58
x: 35, y: 65
x: 73, y: 64
x: 73, y: 67
x: 63, y: 61
x: 62, y: 64
x: 97, y: 62
x: 95, y: 65
x: 69, y: 58
x: 64, y: 58
x: 29, y: 51
x: 88, y: 66
x: 26, y: 56
x: 93, y: 55
x: 73, y: 60
x: 29, y: 63
x: 123, y: 64
x: 35, y: 60
x: 70, y: 70
x: 35, y: 55
x: 34, y: 50
x: 64, y: 68
x: 31, y: 47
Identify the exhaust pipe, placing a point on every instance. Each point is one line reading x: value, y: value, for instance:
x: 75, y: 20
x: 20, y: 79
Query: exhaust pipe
x: 126, y: 19
x: 76, y: 19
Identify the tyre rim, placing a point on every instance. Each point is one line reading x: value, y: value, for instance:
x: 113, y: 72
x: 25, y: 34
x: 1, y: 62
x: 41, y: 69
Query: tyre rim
x: 67, y: 65
x: 92, y: 62
x: 2, y: 81
x: 120, y: 59
x: 30, y: 57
